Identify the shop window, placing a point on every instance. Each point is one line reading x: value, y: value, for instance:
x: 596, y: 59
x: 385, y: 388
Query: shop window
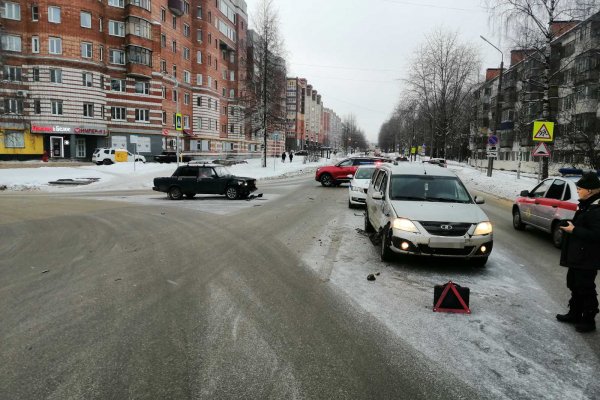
x: 14, y: 139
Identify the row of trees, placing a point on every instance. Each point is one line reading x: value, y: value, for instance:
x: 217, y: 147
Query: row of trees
x: 436, y: 106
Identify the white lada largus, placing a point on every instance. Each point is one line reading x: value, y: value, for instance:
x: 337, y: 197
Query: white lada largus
x: 425, y: 210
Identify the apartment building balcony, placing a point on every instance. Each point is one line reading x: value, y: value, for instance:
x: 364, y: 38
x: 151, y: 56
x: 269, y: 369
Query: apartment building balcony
x: 176, y: 7
x: 586, y: 106
x: 507, y: 138
x: 587, y: 76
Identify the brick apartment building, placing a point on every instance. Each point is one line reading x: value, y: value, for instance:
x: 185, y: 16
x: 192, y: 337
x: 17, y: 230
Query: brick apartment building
x: 81, y: 75
x: 574, y: 99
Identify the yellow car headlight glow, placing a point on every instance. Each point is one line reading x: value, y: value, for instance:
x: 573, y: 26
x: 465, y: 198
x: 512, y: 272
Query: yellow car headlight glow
x: 404, y: 224
x: 483, y: 228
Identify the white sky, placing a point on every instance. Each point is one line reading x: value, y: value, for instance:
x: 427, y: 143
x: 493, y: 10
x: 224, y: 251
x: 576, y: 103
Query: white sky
x: 355, y: 52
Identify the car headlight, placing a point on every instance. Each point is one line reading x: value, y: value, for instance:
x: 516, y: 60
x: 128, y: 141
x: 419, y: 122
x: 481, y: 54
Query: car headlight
x: 483, y: 228
x: 356, y: 189
x: 404, y: 224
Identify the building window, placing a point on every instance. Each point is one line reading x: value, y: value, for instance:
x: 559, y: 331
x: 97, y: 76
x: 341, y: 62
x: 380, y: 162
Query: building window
x: 142, y: 87
x: 139, y: 55
x: 86, y: 50
x: 186, y: 98
x: 116, y: 3
x: 11, y: 43
x: 54, y: 15
x: 35, y: 13
x: 11, y: 11
x: 186, y: 7
x: 55, y: 75
x: 101, y: 53
x: 145, y: 4
x: 164, y: 117
x: 186, y: 30
x: 174, y: 22
x: 116, y: 57
x: 231, y: 128
x: 186, y: 53
x: 174, y: 95
x: 118, y: 113
x: 100, y: 24
x: 163, y: 40
x: 163, y: 14
x: 14, y: 139
x: 199, y: 101
x: 186, y: 122
x: 163, y: 91
x: 174, y: 71
x: 142, y: 115
x: 54, y: 45
x: 37, y: 107
x: 199, y: 57
x: 116, y: 28
x: 199, y: 35
x: 85, y: 18
x: 13, y: 106
x: 57, y: 107
x: 35, y: 44
x: 35, y: 74
x: 187, y: 77
x: 163, y: 66
x: 139, y: 27
x: 117, y: 85
x: 232, y: 93
x: 199, y: 12
x: 87, y: 79
x: 88, y: 110
x: 199, y: 79
x: 174, y: 46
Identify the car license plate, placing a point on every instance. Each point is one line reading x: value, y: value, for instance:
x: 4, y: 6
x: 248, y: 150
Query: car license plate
x: 443, y: 243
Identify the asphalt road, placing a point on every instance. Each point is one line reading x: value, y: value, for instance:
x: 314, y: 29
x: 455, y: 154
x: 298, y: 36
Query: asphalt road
x: 114, y: 300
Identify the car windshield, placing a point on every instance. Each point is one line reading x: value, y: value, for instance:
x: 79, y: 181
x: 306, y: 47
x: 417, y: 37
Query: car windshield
x: 364, y: 173
x: 428, y: 188
x: 222, y: 171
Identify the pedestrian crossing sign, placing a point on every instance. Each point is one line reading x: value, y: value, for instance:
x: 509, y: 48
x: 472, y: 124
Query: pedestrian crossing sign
x: 543, y: 131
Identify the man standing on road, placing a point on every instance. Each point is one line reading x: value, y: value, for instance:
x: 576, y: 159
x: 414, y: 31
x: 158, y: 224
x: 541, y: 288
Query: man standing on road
x: 581, y: 254
x: 291, y: 155
x: 283, y: 157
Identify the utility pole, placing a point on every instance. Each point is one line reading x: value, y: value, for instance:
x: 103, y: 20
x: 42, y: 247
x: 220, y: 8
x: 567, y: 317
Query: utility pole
x: 498, y: 97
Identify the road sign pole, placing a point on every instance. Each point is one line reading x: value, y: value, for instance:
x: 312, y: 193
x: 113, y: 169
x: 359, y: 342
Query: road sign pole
x: 490, y: 166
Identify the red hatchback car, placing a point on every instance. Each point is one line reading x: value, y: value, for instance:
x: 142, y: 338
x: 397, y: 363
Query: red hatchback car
x: 334, y: 175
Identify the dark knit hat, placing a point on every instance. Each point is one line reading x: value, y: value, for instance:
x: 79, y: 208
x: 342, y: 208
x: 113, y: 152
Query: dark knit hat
x: 589, y: 180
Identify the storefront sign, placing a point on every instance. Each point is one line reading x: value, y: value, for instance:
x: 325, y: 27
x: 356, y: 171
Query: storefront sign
x: 68, y: 130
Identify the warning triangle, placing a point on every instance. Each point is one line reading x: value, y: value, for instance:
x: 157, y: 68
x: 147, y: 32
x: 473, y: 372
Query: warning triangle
x: 542, y: 133
x: 541, y: 150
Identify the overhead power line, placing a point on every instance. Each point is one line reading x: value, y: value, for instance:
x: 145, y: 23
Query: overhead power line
x: 410, y: 3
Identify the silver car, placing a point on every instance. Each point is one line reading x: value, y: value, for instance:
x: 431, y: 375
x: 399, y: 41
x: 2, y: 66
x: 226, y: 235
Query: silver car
x: 425, y: 210
x: 357, y: 190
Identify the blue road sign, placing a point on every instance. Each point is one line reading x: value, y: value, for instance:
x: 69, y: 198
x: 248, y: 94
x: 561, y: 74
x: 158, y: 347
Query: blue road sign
x: 492, y: 140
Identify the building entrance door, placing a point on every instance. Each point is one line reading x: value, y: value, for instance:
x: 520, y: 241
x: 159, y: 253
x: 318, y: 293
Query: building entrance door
x: 57, y: 147
x: 80, y: 148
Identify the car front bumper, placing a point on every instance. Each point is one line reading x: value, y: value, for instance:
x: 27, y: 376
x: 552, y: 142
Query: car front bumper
x: 441, y: 246
x: 357, y: 197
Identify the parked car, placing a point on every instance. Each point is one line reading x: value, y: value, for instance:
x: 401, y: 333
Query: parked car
x: 437, y: 161
x: 402, y: 158
x: 334, y: 175
x: 171, y: 156
x: 424, y: 210
x: 547, y: 204
x: 191, y: 179
x: 357, y: 190
x: 301, y: 153
x: 110, y: 155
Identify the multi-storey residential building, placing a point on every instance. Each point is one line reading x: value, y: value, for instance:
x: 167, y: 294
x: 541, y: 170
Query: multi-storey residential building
x: 573, y: 99
x: 116, y: 72
x: 331, y: 128
x: 312, y: 117
x: 295, y: 105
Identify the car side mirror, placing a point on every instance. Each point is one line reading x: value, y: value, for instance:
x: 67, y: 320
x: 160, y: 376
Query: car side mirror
x: 524, y: 193
x: 377, y: 196
x: 479, y: 200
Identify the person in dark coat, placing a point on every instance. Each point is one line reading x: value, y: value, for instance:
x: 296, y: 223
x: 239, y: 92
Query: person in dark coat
x: 283, y: 157
x: 291, y: 155
x: 581, y: 254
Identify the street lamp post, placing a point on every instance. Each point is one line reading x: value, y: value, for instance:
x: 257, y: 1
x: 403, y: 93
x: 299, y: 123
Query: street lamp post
x: 177, y: 116
x: 498, y: 97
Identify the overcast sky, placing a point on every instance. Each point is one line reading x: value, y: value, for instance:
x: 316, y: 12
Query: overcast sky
x: 356, y: 52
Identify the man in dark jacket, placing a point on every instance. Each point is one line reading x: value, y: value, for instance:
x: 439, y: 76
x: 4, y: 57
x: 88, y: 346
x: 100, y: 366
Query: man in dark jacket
x: 581, y: 254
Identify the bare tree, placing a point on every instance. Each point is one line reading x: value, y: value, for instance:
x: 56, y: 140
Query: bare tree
x: 537, y: 23
x: 264, y: 98
x: 352, y: 136
x: 442, y: 74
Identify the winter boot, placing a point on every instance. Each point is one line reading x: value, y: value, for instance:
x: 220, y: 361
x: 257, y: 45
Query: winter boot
x: 587, y: 323
x: 574, y: 314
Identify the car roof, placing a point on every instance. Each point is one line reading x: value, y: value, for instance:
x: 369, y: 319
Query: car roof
x: 366, y: 166
x: 201, y: 164
x: 418, y: 169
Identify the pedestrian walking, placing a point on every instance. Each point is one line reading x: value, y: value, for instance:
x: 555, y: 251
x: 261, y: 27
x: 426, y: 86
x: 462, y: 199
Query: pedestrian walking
x: 581, y: 254
x: 291, y: 156
x: 283, y: 157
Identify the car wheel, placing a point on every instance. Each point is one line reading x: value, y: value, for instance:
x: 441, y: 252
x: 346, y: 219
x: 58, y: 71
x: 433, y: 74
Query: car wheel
x: 232, y: 193
x: 98, y: 162
x: 175, y: 193
x: 517, y: 222
x: 190, y: 195
x: 557, y: 235
x: 368, y: 227
x: 326, y: 180
x: 386, y: 253
x: 106, y: 162
x: 350, y: 205
x: 479, y: 262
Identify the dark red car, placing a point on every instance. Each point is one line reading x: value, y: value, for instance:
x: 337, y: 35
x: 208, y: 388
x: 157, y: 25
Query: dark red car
x: 334, y: 175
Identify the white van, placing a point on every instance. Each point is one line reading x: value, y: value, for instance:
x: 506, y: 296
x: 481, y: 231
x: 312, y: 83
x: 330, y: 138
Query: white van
x: 425, y: 210
x: 109, y: 155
